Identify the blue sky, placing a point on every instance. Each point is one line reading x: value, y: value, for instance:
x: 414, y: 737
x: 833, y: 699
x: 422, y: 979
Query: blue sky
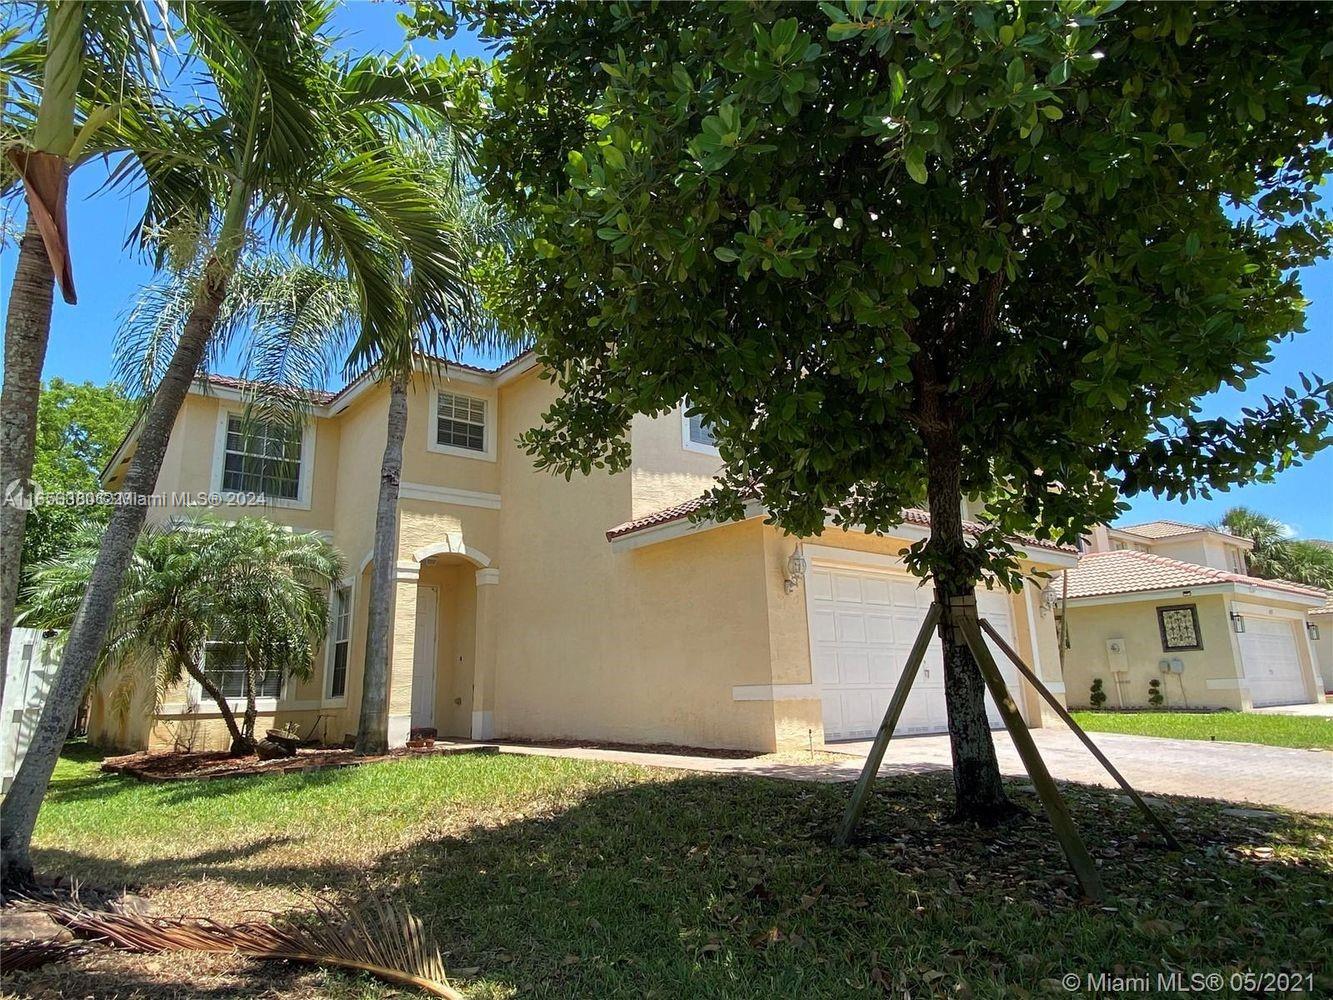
x: 81, y: 336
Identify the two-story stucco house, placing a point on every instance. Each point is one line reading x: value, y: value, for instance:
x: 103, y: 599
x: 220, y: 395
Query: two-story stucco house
x: 1171, y: 602
x: 526, y: 605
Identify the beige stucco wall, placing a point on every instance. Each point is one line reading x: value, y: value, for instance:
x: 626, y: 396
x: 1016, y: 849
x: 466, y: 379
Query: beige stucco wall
x: 1202, y: 550
x: 665, y: 472
x: 1136, y: 623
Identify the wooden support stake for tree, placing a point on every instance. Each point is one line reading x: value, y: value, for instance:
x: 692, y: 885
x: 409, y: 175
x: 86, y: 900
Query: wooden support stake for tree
x: 1061, y: 711
x: 963, y: 616
x: 886, y: 728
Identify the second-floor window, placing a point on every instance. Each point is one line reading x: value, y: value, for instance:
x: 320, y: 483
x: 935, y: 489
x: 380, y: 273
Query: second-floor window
x: 342, y: 641
x: 262, y: 457
x: 224, y: 665
x: 698, y: 435
x: 461, y: 422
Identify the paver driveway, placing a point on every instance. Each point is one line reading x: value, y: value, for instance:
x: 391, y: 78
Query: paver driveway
x: 1239, y: 772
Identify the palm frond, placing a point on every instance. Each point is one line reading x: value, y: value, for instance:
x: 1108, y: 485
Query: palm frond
x: 376, y: 937
x: 24, y: 956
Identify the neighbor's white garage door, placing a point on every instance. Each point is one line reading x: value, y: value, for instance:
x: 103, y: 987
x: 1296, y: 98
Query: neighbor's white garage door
x: 1272, y: 665
x: 862, y: 626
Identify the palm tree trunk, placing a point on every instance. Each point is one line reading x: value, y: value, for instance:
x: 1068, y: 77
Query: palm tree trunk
x: 372, y: 732
x: 27, y: 327
x: 251, y: 710
x: 18, y: 812
x: 978, y: 791
x: 239, y: 745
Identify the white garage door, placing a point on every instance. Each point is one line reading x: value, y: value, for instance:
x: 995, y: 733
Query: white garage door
x: 862, y: 626
x: 1270, y: 661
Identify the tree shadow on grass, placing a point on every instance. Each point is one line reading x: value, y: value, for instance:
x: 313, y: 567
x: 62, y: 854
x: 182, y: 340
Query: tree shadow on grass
x: 722, y: 886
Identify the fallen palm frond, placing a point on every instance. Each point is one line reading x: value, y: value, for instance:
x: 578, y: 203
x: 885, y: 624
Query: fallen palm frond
x: 375, y: 937
x: 21, y: 956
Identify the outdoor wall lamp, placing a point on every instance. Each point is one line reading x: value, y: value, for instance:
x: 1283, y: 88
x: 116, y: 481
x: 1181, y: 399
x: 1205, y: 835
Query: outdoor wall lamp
x: 1237, y: 622
x: 1312, y: 630
x: 796, y: 567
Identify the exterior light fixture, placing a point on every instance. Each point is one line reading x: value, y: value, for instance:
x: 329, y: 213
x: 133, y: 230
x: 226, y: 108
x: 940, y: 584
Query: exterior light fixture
x: 796, y: 567
x: 1237, y: 622
x: 1312, y: 630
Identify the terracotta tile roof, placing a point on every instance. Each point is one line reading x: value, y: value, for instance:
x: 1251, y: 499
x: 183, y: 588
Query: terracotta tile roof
x: 229, y: 382
x: 1101, y: 574
x: 911, y: 515
x: 241, y: 385
x: 1327, y: 609
x: 1160, y: 529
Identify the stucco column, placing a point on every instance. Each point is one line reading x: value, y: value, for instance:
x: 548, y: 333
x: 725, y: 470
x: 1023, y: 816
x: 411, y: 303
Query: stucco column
x: 402, y: 652
x: 1044, y: 642
x: 483, y: 676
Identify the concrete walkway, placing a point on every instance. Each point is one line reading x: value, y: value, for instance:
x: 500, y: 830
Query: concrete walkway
x: 1323, y: 710
x: 1236, y: 772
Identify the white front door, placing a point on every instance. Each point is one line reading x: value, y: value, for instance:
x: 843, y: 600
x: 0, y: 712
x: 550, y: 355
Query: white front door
x: 1271, y: 662
x: 423, y: 659
x: 863, y: 623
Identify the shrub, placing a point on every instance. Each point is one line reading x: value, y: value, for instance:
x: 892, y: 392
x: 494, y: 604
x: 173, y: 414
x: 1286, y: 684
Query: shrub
x: 1097, y: 696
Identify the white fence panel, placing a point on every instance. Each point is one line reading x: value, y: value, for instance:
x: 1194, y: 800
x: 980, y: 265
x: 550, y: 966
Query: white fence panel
x: 28, y: 675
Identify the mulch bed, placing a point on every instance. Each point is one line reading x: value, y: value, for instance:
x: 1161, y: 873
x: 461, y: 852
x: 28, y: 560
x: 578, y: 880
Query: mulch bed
x: 661, y: 748
x: 207, y: 764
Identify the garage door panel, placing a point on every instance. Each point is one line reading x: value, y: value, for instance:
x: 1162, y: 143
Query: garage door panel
x: 876, y: 592
x: 853, y: 666
x: 850, y: 626
x: 846, y: 588
x: 821, y: 626
x: 879, y: 629
x: 863, y: 624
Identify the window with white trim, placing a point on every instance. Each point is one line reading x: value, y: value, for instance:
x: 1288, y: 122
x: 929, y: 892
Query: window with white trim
x: 698, y: 435
x: 342, y: 641
x: 224, y: 665
x: 460, y: 421
x: 262, y: 457
x: 700, y: 432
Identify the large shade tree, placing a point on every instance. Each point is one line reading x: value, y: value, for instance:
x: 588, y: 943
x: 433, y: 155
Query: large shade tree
x: 249, y: 587
x: 901, y: 254
x: 291, y: 149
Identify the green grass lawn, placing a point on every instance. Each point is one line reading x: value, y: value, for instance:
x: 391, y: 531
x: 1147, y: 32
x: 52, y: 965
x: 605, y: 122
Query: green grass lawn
x: 545, y: 877
x: 1234, y: 727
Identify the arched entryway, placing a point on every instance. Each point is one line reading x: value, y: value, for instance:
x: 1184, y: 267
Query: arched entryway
x: 452, y: 667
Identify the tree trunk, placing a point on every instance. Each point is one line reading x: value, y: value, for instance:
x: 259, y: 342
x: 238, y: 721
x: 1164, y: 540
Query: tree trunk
x: 978, y: 792
x: 251, y: 710
x: 27, y: 327
x: 18, y: 813
x: 239, y: 746
x: 372, y: 733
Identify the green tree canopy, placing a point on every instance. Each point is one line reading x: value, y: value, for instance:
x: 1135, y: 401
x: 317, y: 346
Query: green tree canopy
x: 898, y: 252
x: 78, y: 427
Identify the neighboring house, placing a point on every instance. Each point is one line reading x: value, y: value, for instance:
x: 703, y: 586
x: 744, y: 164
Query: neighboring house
x: 1320, y: 628
x: 526, y: 605
x: 1171, y: 602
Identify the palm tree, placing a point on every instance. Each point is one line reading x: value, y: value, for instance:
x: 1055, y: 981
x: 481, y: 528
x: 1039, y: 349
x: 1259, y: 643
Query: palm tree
x: 294, y: 145
x: 271, y: 588
x: 246, y: 584
x: 483, y: 233
x: 1276, y: 555
x: 58, y: 88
